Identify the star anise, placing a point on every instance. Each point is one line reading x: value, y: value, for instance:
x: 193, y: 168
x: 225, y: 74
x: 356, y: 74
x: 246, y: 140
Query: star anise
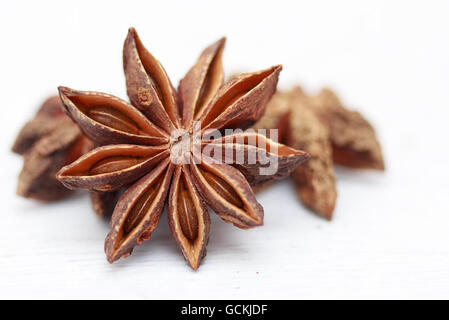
x: 330, y: 133
x: 353, y: 139
x: 47, y: 143
x: 144, y: 149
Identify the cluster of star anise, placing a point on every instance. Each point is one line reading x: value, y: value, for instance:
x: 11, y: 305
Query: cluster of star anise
x: 145, y: 149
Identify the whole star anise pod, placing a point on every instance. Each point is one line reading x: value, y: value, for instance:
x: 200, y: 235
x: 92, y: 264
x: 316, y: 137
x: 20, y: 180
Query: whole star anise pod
x: 149, y: 148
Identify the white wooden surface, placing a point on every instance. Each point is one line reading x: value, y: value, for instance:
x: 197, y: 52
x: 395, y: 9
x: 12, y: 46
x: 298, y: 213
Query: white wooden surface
x: 389, y: 238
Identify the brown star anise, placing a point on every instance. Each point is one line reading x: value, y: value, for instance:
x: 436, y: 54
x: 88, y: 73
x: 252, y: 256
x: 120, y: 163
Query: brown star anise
x: 330, y: 133
x: 144, y: 149
x: 47, y: 143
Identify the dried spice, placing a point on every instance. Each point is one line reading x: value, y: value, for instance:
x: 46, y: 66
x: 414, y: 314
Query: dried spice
x: 330, y: 133
x: 103, y: 202
x: 144, y: 149
x: 354, y: 141
x: 315, y: 181
x: 47, y: 143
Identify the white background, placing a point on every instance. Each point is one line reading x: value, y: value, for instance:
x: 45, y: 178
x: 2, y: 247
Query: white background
x: 390, y: 233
